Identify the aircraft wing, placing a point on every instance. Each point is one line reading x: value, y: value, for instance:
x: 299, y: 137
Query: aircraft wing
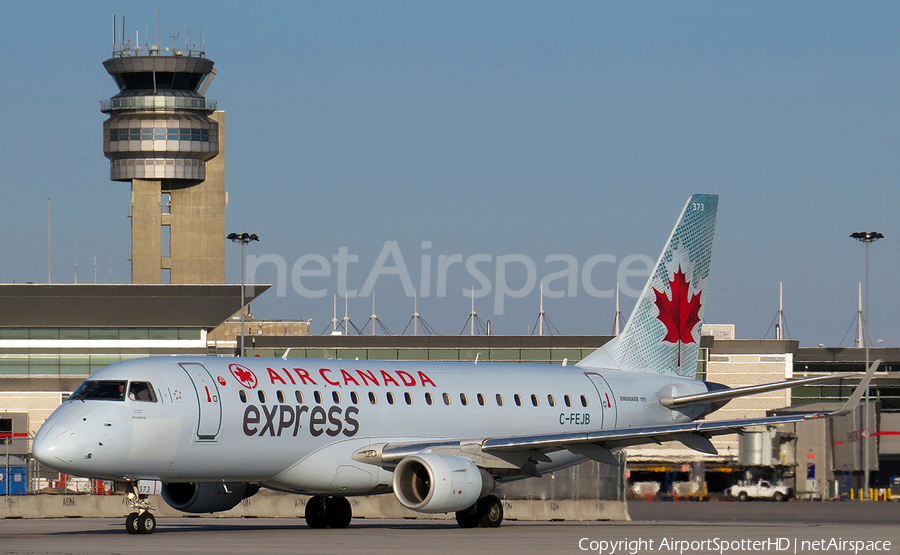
x: 522, y: 452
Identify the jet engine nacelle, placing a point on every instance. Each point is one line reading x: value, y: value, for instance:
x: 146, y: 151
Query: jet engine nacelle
x: 206, y: 497
x: 435, y: 483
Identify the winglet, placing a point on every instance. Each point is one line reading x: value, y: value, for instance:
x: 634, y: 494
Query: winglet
x: 860, y: 390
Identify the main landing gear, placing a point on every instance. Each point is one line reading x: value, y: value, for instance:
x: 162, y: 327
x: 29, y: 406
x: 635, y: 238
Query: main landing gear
x: 324, y: 512
x: 487, y: 512
x: 141, y: 521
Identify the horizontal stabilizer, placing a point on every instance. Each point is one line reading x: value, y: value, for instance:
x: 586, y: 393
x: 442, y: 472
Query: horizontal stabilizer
x: 728, y: 394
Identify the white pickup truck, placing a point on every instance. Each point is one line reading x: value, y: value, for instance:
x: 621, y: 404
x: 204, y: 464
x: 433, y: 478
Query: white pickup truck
x: 761, y: 490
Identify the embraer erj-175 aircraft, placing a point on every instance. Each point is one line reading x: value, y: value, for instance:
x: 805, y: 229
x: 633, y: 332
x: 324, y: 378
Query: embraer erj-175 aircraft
x: 439, y: 435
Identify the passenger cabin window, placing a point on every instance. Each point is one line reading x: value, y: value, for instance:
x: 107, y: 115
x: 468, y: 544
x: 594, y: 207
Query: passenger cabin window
x: 463, y: 399
x: 354, y: 398
x: 141, y: 391
x: 480, y: 398
x: 534, y: 399
x: 100, y: 390
x: 518, y: 400
x: 568, y: 400
x: 583, y: 401
x: 428, y: 398
x: 499, y: 400
x: 299, y: 395
x: 408, y: 398
x: 280, y: 395
x: 336, y: 396
x: 446, y: 397
x: 262, y: 396
x: 551, y: 400
x: 243, y: 395
x: 372, y: 398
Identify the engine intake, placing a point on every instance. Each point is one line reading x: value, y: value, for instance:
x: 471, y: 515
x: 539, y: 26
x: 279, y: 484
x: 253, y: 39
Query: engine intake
x: 435, y: 483
x: 206, y: 497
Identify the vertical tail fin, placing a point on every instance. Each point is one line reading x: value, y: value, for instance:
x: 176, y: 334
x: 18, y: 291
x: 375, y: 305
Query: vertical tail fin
x: 663, y: 333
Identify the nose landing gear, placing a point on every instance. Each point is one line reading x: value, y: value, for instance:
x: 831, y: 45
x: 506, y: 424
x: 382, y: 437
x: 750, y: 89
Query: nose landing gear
x: 142, y: 521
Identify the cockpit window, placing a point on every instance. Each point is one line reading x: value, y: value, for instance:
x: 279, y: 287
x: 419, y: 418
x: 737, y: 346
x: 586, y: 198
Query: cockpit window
x: 141, y: 391
x: 100, y: 390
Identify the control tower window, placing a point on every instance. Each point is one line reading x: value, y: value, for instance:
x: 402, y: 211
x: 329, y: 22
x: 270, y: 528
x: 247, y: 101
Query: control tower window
x: 159, y: 134
x: 141, y: 391
x: 165, y: 81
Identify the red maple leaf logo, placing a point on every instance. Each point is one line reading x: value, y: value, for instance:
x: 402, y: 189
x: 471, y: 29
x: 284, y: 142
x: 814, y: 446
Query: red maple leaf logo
x: 243, y: 375
x: 679, y: 314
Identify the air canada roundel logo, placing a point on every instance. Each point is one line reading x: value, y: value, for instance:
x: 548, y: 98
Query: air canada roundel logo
x: 244, y: 375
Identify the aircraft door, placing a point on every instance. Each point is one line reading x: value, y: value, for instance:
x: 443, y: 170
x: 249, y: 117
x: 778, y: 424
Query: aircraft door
x: 607, y: 400
x: 210, y: 417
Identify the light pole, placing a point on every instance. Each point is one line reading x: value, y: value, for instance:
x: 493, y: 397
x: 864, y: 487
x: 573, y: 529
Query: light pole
x: 243, y: 239
x: 867, y: 237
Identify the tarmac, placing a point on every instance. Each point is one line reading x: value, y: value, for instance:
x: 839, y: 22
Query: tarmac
x: 710, y: 527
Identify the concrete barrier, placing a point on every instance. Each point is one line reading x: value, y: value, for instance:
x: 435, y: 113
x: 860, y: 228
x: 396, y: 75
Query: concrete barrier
x: 268, y: 504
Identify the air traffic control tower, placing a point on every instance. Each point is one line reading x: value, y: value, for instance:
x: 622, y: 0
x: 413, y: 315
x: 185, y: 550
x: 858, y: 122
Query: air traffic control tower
x: 166, y: 138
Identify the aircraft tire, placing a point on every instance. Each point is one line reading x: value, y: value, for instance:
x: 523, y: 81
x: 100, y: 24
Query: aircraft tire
x: 316, y: 517
x: 468, y: 518
x: 490, y: 511
x: 131, y: 523
x: 338, y: 512
x: 146, y: 523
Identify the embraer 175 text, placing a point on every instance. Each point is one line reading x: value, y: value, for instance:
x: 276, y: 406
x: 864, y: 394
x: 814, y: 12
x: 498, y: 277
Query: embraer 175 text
x: 440, y: 436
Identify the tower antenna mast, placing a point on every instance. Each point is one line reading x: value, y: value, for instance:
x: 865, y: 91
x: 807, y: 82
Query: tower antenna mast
x: 416, y: 317
x: 539, y: 324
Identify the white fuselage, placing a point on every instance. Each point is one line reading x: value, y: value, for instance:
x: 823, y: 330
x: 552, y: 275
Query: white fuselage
x: 294, y: 424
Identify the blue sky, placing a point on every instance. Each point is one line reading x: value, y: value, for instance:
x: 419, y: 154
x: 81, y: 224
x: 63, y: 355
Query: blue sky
x: 493, y: 129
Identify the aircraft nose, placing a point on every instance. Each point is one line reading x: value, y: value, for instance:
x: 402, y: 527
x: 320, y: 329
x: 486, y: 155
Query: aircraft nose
x: 55, y: 448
